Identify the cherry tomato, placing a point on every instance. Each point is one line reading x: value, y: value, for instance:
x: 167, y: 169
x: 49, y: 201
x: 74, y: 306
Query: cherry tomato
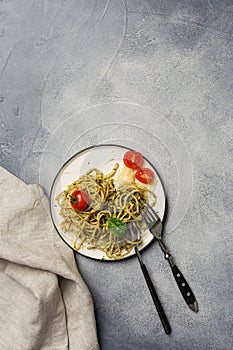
x: 133, y: 159
x: 145, y: 175
x: 79, y: 200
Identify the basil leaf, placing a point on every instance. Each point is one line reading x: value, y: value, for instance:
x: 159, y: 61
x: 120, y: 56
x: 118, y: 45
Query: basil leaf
x: 117, y: 227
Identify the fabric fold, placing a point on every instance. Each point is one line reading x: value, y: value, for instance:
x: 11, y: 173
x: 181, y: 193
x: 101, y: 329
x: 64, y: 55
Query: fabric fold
x: 44, y: 302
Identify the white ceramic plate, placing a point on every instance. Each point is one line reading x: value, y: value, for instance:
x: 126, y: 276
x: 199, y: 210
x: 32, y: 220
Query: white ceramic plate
x: 104, y: 158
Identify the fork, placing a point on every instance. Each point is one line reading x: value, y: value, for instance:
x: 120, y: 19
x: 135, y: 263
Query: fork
x: 134, y: 235
x: 155, y: 226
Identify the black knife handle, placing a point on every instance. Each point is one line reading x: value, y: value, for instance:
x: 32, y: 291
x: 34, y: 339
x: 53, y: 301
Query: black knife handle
x: 183, y: 285
x: 156, y: 301
x: 154, y: 295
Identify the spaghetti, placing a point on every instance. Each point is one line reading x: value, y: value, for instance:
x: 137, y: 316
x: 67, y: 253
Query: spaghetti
x: 106, y: 202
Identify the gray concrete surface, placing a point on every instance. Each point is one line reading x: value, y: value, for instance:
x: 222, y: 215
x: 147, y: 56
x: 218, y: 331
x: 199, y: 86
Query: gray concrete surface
x: 156, y: 76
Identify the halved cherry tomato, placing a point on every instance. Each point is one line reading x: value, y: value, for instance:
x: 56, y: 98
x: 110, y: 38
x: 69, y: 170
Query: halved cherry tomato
x: 79, y: 200
x: 133, y: 159
x: 145, y: 175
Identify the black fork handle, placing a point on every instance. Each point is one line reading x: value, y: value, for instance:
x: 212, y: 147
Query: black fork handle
x: 185, y: 289
x: 154, y: 295
x: 183, y: 285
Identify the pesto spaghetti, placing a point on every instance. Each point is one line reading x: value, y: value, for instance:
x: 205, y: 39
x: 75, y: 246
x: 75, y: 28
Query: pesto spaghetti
x: 102, y: 224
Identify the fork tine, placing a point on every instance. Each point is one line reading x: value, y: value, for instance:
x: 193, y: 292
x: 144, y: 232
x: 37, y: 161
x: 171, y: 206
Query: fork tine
x: 145, y: 217
x: 151, y: 211
x: 149, y: 215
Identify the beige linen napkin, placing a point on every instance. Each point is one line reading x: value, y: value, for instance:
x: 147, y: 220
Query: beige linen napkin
x: 44, y: 303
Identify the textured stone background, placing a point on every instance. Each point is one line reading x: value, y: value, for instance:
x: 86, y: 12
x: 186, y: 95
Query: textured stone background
x: 156, y: 76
